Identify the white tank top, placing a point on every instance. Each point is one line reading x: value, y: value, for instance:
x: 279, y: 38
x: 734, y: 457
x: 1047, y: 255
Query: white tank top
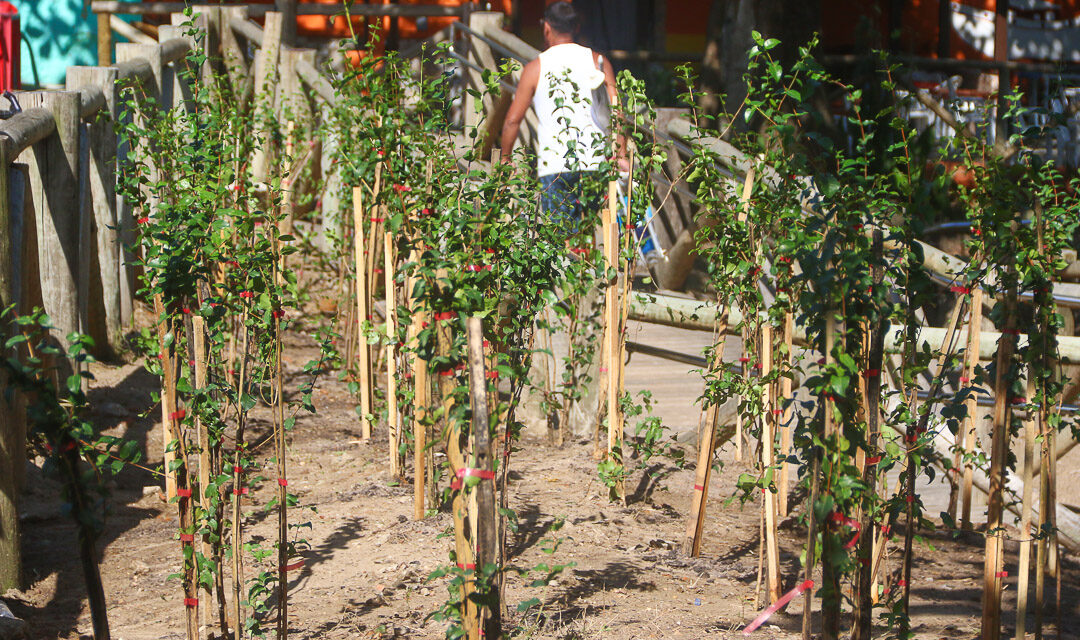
x: 563, y: 105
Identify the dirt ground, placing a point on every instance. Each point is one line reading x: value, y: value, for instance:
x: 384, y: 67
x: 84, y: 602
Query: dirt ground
x: 365, y: 571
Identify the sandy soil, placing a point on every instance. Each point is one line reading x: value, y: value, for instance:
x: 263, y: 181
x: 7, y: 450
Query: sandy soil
x: 365, y: 571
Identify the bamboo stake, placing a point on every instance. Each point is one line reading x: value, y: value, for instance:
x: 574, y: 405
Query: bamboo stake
x: 991, y: 601
x: 282, y: 471
x: 971, y: 360
x: 484, y: 516
x: 830, y: 577
x: 393, y: 420
x: 864, y: 599
x: 198, y: 331
x: 238, y: 493
x: 695, y: 525
x: 1023, y: 571
x: 422, y: 398
x: 611, y: 330
x: 169, y: 433
x: 785, y: 426
x: 768, y: 446
x: 362, y: 313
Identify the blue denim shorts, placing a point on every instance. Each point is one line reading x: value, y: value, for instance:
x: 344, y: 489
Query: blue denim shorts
x: 564, y: 197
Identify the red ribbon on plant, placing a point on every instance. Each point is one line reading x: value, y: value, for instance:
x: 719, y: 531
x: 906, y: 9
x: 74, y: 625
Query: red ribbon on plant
x: 237, y: 469
x: 294, y: 566
x: 468, y: 566
x: 191, y: 603
x: 242, y: 491
x: 183, y: 493
x: 840, y: 518
x: 698, y: 487
x: 282, y: 482
x: 959, y: 289
x: 1001, y: 574
x: 776, y: 606
x: 187, y: 537
x: 178, y: 415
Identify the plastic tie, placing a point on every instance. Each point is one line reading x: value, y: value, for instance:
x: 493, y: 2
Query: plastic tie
x: 377, y: 219
x: 294, y: 566
x: 183, y: 493
x: 744, y: 359
x: 871, y: 461
x: 282, y: 482
x: 1001, y: 574
x: 909, y: 498
x: 177, y: 415
x: 776, y: 606
x: 247, y: 294
x: 872, y: 373
x: 187, y: 537
x: 959, y: 289
x: 492, y: 375
x: 468, y: 566
x: 964, y: 380
x: 446, y: 315
x: 237, y: 469
x: 191, y: 603
x: 242, y: 491
x: 1011, y: 332
x: 901, y: 583
x: 698, y: 487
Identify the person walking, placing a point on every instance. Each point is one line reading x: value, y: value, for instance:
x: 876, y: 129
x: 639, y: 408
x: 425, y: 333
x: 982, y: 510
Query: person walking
x: 566, y: 85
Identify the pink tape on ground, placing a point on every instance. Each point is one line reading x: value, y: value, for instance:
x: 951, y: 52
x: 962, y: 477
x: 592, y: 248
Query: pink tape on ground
x: 776, y: 606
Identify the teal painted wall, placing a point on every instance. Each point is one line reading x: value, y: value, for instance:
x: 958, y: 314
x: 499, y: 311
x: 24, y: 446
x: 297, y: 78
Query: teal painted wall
x: 56, y: 34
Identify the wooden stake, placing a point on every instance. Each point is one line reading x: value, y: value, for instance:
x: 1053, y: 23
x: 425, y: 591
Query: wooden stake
x: 486, y: 539
x: 198, y: 330
x: 785, y: 426
x: 1024, y: 570
x: 696, y: 524
x: 768, y: 448
x: 991, y: 602
x: 864, y: 598
x: 393, y: 420
x: 169, y: 433
x: 830, y: 576
x: 612, y: 339
x: 421, y: 400
x: 282, y: 471
x: 971, y: 361
x: 362, y: 313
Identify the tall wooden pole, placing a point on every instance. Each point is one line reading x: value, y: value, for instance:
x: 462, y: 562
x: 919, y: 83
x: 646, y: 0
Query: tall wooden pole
x: 992, y: 569
x: 768, y: 451
x: 611, y: 335
x: 362, y: 313
x: 486, y: 538
x: 392, y: 418
x: 971, y: 360
x: 1024, y: 569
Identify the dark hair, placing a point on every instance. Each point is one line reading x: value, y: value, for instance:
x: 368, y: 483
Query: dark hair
x: 562, y: 17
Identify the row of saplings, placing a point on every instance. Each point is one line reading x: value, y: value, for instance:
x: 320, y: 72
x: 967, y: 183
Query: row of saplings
x: 466, y: 271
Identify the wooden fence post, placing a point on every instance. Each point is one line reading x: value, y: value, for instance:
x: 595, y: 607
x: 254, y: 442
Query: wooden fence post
x: 266, y: 73
x: 104, y: 39
x: 12, y: 430
x: 54, y: 174
x: 125, y: 219
x: 231, y: 52
x: 104, y: 308
x: 480, y: 55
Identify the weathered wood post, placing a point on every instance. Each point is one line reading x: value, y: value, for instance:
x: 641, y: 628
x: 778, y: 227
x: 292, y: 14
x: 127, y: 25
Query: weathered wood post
x: 266, y: 91
x: 99, y: 141
x: 12, y: 430
x: 54, y: 174
x: 480, y: 55
x: 104, y: 39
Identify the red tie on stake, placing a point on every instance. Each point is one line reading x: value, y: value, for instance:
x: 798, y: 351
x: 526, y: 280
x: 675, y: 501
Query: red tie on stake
x: 776, y: 606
